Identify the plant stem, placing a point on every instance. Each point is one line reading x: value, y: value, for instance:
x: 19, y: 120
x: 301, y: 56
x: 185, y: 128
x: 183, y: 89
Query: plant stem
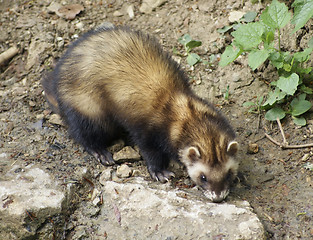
x: 279, y: 40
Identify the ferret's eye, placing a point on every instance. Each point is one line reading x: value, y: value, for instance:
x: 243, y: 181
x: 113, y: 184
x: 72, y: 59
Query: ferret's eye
x: 203, y: 178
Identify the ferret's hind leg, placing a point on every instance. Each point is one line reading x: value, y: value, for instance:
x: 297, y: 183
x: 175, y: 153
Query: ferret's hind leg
x: 93, y: 136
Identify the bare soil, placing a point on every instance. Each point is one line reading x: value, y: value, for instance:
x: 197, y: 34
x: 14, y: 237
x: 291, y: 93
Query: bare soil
x: 273, y: 180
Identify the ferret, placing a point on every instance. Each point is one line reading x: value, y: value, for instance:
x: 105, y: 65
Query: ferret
x: 114, y: 80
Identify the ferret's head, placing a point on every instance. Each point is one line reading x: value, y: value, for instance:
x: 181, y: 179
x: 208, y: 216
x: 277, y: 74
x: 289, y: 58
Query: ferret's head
x: 212, y: 167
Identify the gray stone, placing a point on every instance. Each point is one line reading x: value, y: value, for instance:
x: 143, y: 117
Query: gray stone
x: 29, y: 196
x: 123, y: 171
x: 106, y: 175
x: 148, y: 6
x: 125, y: 154
x: 35, y: 48
x: 139, y: 212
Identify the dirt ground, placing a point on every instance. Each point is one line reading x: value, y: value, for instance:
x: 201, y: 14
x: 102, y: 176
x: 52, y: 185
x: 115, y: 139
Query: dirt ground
x: 274, y: 181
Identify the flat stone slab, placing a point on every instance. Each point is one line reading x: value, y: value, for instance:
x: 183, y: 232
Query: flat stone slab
x: 136, y: 211
x: 29, y: 196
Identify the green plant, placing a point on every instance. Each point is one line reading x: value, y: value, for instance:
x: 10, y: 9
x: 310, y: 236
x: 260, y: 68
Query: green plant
x: 255, y: 107
x: 262, y: 41
x: 189, y: 44
x: 246, y: 18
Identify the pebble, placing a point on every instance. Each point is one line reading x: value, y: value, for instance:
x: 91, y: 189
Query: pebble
x: 305, y: 157
x: 126, y: 153
x: 106, y: 175
x: 123, y: 171
x: 253, y: 148
x: 55, y: 119
x: 235, y: 16
x: 130, y: 11
x: 148, y: 6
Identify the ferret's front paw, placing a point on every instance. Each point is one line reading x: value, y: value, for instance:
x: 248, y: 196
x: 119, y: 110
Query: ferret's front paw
x: 161, y: 175
x: 104, y: 157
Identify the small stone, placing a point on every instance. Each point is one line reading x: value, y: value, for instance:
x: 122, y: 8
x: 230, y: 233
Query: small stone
x: 118, y: 13
x: 123, y: 171
x: 55, y: 119
x: 95, y: 193
x: 130, y: 11
x: 54, y: 7
x: 80, y: 25
x: 127, y: 153
x: 136, y: 173
x: 40, y: 116
x: 305, y: 157
x: 235, y: 16
x: 32, y: 103
x: 253, y: 148
x: 106, y: 175
x: 148, y: 6
x: 96, y: 201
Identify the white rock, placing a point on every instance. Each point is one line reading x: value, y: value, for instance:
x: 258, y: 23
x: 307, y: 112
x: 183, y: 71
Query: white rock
x: 106, y: 175
x: 126, y: 153
x: 123, y: 171
x: 162, y: 214
x: 148, y: 6
x: 130, y: 11
x: 55, y: 119
x: 31, y: 191
x: 235, y: 16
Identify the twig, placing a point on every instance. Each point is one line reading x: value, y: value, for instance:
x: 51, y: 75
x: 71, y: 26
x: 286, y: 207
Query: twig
x: 282, y: 131
x: 285, y: 144
x: 8, y: 54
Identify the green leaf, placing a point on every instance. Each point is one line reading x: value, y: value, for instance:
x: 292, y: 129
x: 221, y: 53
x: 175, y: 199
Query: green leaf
x: 248, y: 104
x: 304, y: 55
x: 237, y: 25
x: 175, y: 51
x: 274, y: 97
x: 260, y: 100
x: 300, y: 121
x: 276, y: 15
x: 224, y: 29
x: 257, y: 57
x: 302, y: 96
x: 249, y: 35
x: 303, y: 11
x: 275, y: 113
x: 299, y: 106
x: 306, y: 89
x: 249, y: 16
x: 269, y: 37
x: 192, y: 44
x: 184, y: 39
x: 193, y: 58
x: 276, y: 59
x: 229, y: 55
x: 289, y: 84
x: 287, y: 67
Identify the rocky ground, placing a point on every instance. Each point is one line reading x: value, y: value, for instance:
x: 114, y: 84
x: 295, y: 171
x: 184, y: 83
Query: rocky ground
x: 273, y: 181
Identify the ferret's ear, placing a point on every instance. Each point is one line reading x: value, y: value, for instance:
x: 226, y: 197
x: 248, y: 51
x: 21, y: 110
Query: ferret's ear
x: 190, y: 155
x: 232, y: 148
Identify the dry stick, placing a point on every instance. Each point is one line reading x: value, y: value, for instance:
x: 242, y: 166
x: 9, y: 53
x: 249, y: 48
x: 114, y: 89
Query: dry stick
x: 282, y: 132
x: 8, y: 54
x: 285, y: 144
